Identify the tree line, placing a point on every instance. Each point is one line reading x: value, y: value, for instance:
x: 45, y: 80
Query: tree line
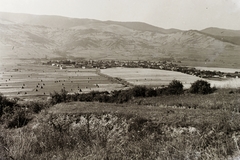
x: 175, y: 87
x: 14, y: 114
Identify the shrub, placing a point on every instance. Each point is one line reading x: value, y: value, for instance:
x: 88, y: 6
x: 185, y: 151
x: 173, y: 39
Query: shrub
x: 150, y: 92
x: 123, y: 96
x: 138, y: 91
x: 5, y: 102
x: 59, y: 97
x: 175, y: 87
x: 18, y: 119
x: 201, y: 87
x: 35, y: 106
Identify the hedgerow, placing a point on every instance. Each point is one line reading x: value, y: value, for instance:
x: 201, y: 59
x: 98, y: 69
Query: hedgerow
x: 121, y: 96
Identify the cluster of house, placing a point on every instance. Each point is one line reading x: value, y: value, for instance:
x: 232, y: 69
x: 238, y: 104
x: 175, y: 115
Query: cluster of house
x: 164, y: 65
x: 61, y: 66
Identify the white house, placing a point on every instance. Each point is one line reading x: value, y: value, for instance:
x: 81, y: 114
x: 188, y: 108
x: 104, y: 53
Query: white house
x: 62, y: 66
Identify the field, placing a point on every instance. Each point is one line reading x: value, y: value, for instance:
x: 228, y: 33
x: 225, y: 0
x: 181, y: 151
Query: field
x: 226, y: 70
x: 229, y: 83
x: 28, y: 80
x: 185, y: 126
x: 152, y: 77
x: 37, y: 80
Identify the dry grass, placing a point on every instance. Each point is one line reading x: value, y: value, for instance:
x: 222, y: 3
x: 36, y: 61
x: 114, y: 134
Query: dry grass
x: 80, y: 130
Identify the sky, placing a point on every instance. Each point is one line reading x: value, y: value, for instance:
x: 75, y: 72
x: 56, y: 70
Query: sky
x: 180, y: 14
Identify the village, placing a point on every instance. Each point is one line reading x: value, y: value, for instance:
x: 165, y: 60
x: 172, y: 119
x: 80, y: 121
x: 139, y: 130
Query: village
x: 163, y: 65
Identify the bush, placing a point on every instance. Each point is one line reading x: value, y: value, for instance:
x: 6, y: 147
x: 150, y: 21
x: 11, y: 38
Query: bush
x: 138, y: 91
x: 6, y: 103
x: 201, y: 87
x: 35, y: 106
x: 59, y: 97
x: 18, y: 119
x: 175, y: 87
x: 150, y: 92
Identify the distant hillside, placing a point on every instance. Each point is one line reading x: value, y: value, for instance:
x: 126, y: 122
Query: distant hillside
x: 221, y: 32
x: 231, y: 36
x: 140, y: 26
x: 64, y: 22
x: 45, y: 20
x: 32, y: 36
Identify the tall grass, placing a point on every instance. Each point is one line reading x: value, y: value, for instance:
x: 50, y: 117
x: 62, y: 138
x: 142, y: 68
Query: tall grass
x: 121, y: 136
x: 209, y: 129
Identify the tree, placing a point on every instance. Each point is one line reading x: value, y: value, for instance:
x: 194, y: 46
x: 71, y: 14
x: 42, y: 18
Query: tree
x: 175, y: 87
x: 59, y: 97
x: 201, y: 87
x: 6, y: 103
x: 138, y: 91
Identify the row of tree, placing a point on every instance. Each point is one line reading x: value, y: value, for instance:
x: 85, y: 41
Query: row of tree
x: 15, y: 114
x: 121, y: 96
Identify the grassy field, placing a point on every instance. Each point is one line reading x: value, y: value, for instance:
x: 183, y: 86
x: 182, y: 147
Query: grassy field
x: 154, y: 130
x: 29, y: 80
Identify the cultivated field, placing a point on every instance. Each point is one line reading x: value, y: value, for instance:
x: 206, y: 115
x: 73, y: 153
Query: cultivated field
x: 40, y: 80
x: 152, y: 77
x: 229, y: 83
x: 33, y: 79
x: 226, y: 70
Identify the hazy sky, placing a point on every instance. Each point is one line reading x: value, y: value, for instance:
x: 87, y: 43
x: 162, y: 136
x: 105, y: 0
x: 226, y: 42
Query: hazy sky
x: 181, y: 14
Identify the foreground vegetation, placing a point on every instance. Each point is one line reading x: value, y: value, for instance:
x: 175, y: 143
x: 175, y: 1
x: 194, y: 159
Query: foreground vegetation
x: 165, y: 123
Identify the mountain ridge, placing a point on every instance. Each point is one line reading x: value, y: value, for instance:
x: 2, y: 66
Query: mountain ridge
x: 93, y: 39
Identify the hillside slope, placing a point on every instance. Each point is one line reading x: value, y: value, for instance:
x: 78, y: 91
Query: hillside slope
x: 31, y: 36
x: 231, y: 36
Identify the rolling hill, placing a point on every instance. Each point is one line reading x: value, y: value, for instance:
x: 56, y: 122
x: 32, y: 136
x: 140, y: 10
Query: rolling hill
x: 30, y: 36
x: 221, y: 32
x: 231, y: 36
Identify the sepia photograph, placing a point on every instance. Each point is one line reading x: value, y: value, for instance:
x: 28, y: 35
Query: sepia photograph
x: 119, y: 80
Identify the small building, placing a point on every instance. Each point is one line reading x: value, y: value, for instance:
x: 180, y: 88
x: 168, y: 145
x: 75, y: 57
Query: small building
x: 63, y: 67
